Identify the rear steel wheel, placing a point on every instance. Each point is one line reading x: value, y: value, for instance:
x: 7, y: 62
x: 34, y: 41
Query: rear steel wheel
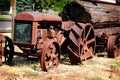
x: 50, y: 56
x: 112, y: 47
x: 82, y: 45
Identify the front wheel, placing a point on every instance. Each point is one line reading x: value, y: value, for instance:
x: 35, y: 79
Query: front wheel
x: 50, y: 57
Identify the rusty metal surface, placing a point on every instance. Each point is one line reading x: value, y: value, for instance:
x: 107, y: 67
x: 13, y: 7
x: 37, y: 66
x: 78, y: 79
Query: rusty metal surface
x: 2, y: 37
x: 40, y: 46
x: 1, y: 50
x: 50, y: 57
x: 66, y: 25
x: 82, y: 45
x: 35, y: 20
x: 34, y: 16
x: 113, y: 47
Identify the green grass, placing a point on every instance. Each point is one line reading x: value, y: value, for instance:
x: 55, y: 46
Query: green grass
x: 115, y: 66
x: 5, y: 17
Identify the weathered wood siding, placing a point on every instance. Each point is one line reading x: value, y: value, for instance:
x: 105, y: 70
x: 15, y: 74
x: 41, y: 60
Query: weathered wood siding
x: 103, y: 14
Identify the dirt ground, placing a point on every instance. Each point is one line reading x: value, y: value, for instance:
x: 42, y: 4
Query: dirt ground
x: 98, y: 68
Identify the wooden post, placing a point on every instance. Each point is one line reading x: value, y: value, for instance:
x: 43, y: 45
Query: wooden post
x: 13, y: 7
x: 13, y: 11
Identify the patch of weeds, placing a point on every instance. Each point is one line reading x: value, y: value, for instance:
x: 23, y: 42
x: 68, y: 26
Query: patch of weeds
x: 11, y: 78
x: 118, y: 65
x: 21, y: 61
x: 35, y: 67
x: 65, y: 59
x: 31, y: 73
x: 115, y: 66
x: 95, y: 79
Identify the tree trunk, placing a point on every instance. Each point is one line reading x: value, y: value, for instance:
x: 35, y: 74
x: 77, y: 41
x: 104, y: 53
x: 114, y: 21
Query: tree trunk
x: 103, y: 15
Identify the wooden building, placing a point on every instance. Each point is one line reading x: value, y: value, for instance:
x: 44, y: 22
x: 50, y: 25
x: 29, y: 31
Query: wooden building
x: 7, y: 13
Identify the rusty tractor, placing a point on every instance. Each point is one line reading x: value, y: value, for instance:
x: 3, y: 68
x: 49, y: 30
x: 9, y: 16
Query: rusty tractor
x: 42, y: 35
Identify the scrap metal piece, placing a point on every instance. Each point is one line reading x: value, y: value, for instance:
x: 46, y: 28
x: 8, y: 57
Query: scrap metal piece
x: 112, y: 46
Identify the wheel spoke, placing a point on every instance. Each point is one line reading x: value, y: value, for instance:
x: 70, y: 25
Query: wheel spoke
x: 84, y: 55
x: 49, y: 53
x: 88, y: 33
x: 84, y: 34
x: 55, y: 62
x: 90, y: 41
x: 90, y: 50
x: 48, y: 65
x: 55, y: 55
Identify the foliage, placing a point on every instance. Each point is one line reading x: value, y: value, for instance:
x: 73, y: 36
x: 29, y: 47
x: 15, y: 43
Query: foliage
x: 5, y: 5
x: 4, y: 1
x: 40, y: 5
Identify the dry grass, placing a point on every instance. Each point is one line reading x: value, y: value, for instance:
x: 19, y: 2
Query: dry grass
x: 99, y: 68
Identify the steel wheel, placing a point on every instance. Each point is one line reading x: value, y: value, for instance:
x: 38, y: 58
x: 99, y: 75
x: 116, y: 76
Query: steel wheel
x: 112, y: 47
x: 8, y: 49
x: 50, y: 56
x: 82, y: 44
x: 87, y: 42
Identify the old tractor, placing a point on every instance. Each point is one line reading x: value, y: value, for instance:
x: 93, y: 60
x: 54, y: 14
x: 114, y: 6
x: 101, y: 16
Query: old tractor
x: 43, y: 35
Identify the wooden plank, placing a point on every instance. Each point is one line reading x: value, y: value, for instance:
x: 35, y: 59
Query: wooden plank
x: 106, y: 1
